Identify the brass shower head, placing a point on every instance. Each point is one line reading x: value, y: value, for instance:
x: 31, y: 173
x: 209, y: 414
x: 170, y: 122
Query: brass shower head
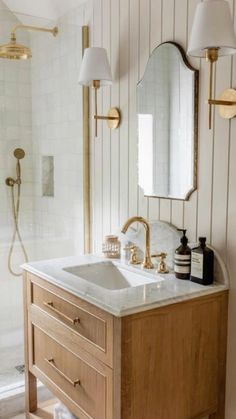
x: 19, y: 153
x: 15, y: 51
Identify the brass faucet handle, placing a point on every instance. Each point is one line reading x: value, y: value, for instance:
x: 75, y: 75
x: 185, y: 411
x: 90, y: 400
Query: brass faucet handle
x: 133, y: 254
x: 161, y: 268
x: 159, y: 255
x: 155, y: 255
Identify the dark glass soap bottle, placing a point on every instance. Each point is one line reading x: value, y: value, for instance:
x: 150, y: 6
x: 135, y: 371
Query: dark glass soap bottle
x: 183, y: 258
x: 202, y: 263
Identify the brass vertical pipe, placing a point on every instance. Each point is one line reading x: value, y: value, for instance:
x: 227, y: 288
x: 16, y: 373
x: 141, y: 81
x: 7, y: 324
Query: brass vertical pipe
x: 86, y: 154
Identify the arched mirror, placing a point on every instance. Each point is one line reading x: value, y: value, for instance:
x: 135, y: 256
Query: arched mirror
x: 167, y: 118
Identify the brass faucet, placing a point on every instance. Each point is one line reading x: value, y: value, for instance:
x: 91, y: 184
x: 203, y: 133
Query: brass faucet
x: 147, y: 262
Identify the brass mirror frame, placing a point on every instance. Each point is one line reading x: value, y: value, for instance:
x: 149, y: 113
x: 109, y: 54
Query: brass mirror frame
x: 195, y: 116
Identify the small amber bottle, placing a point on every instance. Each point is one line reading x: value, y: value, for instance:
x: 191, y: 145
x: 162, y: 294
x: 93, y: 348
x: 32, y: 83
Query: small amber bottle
x: 202, y: 263
x: 183, y: 258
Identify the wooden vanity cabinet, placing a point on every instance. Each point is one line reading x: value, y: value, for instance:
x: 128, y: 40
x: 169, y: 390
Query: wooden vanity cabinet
x: 165, y: 363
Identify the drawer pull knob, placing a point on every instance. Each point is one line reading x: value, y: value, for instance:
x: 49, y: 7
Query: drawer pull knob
x: 51, y: 362
x: 51, y: 306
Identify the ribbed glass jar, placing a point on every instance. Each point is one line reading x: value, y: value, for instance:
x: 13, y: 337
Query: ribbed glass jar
x: 111, y: 247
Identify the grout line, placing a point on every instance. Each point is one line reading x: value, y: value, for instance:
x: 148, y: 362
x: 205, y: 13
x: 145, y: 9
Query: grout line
x: 139, y: 33
x: 174, y: 24
x: 162, y: 16
x: 173, y: 34
x: 128, y: 112
x: 149, y: 52
x: 227, y: 191
x: 229, y: 160
x: 93, y: 148
x: 186, y: 43
x: 197, y: 197
x: 129, y: 124
x: 119, y: 159
x: 150, y: 27
x: 101, y: 139
x: 187, y: 22
x: 110, y: 133
x: 213, y: 157
x: 197, y: 191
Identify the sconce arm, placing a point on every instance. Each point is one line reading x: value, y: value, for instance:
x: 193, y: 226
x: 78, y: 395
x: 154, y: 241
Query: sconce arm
x: 106, y: 118
x: 113, y: 117
x: 221, y: 102
x: 226, y: 103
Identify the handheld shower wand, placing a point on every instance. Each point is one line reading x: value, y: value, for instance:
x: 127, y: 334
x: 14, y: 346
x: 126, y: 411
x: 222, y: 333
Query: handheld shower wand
x: 19, y: 154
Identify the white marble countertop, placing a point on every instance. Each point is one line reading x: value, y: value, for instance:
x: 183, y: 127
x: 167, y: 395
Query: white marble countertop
x: 122, y: 302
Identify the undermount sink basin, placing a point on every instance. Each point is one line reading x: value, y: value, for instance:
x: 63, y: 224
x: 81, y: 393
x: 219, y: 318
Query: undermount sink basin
x: 111, y: 275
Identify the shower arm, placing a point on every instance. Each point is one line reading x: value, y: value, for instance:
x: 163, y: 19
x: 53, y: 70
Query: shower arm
x: 53, y: 31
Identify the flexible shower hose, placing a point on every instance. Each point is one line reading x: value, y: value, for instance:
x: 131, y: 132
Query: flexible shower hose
x: 16, y: 232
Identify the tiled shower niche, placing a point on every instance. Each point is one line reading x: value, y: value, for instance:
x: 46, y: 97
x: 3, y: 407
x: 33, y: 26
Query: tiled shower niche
x: 48, y: 176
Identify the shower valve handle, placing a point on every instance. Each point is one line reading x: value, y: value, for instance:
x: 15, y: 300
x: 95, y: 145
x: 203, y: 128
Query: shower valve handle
x: 10, y: 181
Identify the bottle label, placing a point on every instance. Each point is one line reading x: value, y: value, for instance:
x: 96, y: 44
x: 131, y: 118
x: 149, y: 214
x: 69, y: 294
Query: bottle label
x: 182, y: 269
x: 182, y: 264
x: 183, y: 258
x: 197, y: 265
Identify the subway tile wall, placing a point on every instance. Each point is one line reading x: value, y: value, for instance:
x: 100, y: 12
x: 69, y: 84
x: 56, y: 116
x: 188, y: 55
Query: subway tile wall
x: 57, y: 132
x: 15, y: 131
x: 41, y: 112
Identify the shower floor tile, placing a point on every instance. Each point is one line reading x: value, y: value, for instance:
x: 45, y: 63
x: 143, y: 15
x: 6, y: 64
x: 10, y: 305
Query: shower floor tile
x: 10, y: 358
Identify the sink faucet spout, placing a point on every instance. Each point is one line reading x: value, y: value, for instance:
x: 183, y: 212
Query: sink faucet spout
x: 147, y: 262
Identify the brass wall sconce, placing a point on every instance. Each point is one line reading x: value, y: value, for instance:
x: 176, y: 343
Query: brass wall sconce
x: 95, y: 72
x: 213, y: 36
x: 15, y: 51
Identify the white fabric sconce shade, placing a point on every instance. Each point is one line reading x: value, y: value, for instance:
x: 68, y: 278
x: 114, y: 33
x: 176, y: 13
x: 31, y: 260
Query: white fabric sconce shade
x: 95, y: 72
x: 95, y: 66
x: 212, y: 28
x: 213, y: 36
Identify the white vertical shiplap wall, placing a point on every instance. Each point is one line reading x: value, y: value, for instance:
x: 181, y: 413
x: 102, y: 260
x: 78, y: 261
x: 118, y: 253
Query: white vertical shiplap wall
x: 130, y: 30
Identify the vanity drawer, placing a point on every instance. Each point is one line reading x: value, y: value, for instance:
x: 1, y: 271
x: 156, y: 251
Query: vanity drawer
x: 92, y: 327
x: 86, y: 386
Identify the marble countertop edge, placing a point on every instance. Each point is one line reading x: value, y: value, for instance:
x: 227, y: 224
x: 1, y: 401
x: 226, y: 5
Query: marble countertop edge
x: 125, y: 304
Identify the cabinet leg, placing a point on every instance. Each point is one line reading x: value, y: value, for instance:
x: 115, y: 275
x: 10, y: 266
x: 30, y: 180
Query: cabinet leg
x: 30, y: 392
x: 30, y: 379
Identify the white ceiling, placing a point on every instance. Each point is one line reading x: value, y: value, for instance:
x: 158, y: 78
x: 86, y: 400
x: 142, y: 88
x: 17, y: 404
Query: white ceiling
x: 45, y: 9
